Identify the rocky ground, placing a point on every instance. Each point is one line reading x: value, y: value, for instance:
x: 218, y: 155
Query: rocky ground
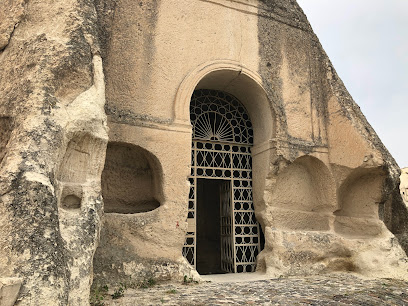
x: 329, y: 290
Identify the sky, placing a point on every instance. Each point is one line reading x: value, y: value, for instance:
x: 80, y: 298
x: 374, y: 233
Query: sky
x: 367, y: 42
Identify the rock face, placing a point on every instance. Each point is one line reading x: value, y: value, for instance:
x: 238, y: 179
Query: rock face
x: 53, y: 142
x: 305, y: 163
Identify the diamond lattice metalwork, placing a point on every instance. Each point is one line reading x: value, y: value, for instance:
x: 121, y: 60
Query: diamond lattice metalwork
x: 221, y: 149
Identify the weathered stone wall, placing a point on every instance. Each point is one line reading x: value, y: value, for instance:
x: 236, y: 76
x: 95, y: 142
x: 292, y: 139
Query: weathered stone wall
x: 317, y: 117
x: 53, y: 141
x: 323, y: 182
x: 322, y: 178
x: 148, y: 51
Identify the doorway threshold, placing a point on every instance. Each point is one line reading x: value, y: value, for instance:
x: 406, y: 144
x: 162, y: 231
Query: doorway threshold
x: 234, y: 277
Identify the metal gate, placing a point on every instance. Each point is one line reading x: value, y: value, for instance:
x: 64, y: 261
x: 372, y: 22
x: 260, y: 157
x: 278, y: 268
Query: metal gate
x: 221, y: 149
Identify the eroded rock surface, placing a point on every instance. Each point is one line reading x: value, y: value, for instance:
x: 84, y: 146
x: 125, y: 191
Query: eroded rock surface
x: 314, y: 174
x: 53, y: 141
x: 325, y: 190
x: 11, y: 13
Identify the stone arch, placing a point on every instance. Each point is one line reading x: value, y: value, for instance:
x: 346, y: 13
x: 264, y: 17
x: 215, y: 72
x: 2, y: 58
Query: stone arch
x: 246, y: 86
x: 359, y: 197
x: 233, y: 78
x: 131, y: 179
x: 304, y: 196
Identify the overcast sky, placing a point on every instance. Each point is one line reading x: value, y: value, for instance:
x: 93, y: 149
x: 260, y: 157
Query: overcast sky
x: 367, y: 42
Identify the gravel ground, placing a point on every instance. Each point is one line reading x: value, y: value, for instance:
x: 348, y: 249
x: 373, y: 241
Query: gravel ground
x: 318, y: 290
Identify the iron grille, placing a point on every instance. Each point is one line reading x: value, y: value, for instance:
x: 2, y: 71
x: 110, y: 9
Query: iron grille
x: 221, y: 149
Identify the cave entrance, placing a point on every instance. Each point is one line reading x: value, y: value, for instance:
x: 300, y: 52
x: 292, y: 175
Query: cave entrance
x: 223, y: 234
x: 213, y: 219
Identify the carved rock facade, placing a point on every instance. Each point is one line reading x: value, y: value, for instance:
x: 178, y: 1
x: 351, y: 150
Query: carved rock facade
x: 99, y: 189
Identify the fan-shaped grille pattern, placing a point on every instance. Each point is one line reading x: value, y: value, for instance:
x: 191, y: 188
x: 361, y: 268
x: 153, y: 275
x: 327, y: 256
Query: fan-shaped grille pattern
x: 219, y: 116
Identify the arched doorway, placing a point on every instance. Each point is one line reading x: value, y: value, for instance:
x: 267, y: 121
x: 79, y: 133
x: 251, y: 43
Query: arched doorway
x: 223, y: 234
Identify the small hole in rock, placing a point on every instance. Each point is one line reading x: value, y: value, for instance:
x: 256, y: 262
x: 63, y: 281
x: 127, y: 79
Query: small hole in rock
x: 71, y: 202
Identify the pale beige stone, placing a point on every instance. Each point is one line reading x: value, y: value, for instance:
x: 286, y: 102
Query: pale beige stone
x: 318, y: 166
x: 53, y: 142
x: 9, y: 288
x: 11, y: 13
x: 95, y: 144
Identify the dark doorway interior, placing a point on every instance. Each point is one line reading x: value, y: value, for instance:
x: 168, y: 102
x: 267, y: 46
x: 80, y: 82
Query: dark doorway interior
x: 208, y: 226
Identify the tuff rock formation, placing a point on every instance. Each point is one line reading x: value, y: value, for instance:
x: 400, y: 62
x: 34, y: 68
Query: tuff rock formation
x: 53, y: 142
x: 81, y: 203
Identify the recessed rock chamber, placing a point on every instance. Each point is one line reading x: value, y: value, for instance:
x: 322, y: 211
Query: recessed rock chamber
x: 129, y: 180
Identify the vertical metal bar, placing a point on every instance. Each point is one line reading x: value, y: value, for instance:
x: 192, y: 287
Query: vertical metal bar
x: 195, y: 207
x: 232, y: 211
x: 221, y: 223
